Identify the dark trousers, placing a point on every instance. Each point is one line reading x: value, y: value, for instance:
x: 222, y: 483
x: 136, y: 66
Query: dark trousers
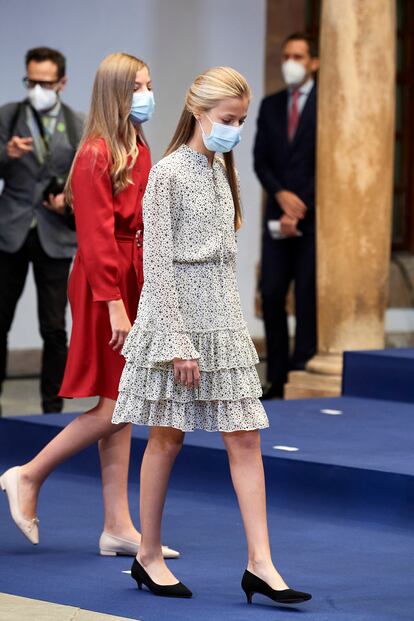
x: 284, y: 261
x: 51, y: 277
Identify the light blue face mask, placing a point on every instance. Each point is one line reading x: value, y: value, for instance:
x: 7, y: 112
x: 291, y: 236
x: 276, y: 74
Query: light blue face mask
x: 143, y: 105
x: 222, y: 138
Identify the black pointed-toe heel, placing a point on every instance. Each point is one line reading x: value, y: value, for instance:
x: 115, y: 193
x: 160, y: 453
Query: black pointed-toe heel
x: 252, y: 584
x: 170, y: 590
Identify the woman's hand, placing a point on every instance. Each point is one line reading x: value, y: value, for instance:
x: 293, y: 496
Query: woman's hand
x: 186, y: 372
x: 139, y: 238
x: 120, y: 324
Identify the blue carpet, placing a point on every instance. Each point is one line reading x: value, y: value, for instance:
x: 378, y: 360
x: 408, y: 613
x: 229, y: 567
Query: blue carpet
x: 340, y: 512
x: 380, y: 374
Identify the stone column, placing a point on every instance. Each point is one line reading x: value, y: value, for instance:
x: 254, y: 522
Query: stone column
x: 354, y: 186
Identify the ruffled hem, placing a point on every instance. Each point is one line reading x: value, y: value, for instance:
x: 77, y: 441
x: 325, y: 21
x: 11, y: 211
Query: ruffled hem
x: 227, y: 416
x: 218, y: 349
x: 160, y: 384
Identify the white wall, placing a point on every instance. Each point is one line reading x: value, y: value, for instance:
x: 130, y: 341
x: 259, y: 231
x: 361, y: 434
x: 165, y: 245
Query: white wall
x: 178, y: 39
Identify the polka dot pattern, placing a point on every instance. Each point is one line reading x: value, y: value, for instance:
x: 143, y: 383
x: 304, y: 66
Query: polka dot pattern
x: 190, y: 307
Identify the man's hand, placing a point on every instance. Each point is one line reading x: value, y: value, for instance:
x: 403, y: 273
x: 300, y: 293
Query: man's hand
x: 288, y: 226
x: 56, y: 203
x: 186, y: 372
x: 291, y: 204
x: 17, y: 147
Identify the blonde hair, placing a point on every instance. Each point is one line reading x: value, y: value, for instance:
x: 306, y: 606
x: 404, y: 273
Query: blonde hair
x: 206, y: 92
x: 108, y: 118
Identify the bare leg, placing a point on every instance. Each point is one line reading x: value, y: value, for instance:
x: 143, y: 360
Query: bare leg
x: 163, y: 446
x: 114, y: 453
x: 246, y: 466
x: 79, y: 434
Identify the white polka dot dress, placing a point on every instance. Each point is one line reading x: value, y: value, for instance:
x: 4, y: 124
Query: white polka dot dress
x: 190, y: 307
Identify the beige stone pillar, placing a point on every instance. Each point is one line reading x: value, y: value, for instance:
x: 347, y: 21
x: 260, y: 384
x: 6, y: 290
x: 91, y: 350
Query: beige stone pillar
x: 354, y: 186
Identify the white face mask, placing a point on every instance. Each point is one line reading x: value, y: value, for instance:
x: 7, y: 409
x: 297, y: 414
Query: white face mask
x: 293, y: 72
x: 42, y: 98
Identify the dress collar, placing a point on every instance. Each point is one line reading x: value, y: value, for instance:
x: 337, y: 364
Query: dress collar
x: 198, y: 157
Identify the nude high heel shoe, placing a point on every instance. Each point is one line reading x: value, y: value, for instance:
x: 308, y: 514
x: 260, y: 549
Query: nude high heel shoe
x: 9, y: 483
x: 109, y: 545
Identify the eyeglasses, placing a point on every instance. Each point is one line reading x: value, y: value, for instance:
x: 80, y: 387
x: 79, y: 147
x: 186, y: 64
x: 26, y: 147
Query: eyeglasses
x: 44, y: 83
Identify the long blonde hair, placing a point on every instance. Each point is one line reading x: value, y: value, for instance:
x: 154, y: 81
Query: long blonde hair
x: 108, y: 118
x: 207, y: 90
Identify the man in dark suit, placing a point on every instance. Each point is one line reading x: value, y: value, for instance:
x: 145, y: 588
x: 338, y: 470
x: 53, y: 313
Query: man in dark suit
x: 284, y: 159
x: 38, y: 139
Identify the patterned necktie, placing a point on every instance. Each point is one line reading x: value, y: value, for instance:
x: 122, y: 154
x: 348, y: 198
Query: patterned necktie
x: 47, y: 122
x: 293, y: 115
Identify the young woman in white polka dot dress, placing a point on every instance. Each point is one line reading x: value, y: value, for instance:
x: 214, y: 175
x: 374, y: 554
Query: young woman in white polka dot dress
x: 190, y: 362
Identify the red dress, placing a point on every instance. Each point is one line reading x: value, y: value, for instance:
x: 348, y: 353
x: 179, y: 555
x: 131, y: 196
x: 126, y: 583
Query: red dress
x: 108, y: 266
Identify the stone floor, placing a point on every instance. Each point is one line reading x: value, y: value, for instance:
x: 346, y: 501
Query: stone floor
x: 21, y: 398
x: 14, y: 608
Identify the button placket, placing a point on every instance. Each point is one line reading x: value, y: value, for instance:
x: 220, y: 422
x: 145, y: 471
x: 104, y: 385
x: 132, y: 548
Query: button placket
x: 219, y: 215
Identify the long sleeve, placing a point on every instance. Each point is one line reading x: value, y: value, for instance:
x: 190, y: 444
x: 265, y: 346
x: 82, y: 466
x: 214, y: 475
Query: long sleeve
x: 95, y: 224
x: 262, y: 165
x: 162, y: 307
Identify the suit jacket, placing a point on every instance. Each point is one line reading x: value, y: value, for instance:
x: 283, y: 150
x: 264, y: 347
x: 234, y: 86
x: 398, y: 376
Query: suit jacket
x: 25, y: 180
x: 281, y: 165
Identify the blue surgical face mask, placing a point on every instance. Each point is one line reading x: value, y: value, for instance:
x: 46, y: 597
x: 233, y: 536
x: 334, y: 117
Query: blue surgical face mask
x: 143, y: 105
x: 222, y: 138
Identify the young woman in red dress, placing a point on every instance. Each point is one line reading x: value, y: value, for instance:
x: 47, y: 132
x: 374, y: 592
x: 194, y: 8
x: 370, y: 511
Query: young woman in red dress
x: 105, y: 187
